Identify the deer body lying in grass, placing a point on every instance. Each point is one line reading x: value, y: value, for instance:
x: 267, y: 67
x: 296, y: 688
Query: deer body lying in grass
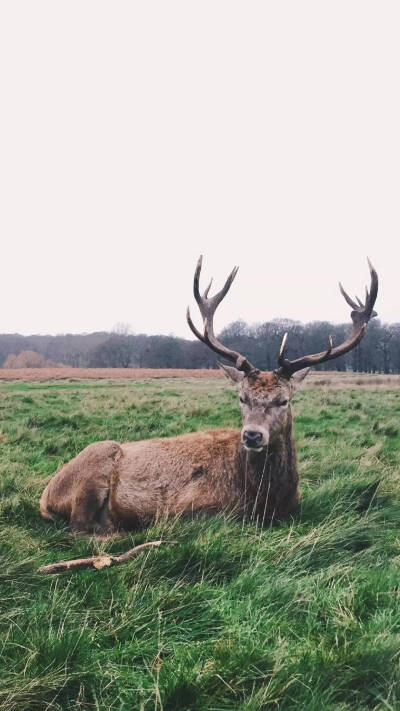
x: 252, y: 471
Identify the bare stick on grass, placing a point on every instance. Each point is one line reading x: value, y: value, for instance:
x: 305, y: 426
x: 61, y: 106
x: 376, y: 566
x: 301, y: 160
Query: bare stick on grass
x: 98, y: 561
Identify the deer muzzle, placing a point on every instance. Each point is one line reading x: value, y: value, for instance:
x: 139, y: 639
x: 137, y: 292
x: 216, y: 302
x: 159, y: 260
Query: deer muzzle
x: 254, y: 438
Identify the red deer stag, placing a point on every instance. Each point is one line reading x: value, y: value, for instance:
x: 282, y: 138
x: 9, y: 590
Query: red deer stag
x: 252, y: 471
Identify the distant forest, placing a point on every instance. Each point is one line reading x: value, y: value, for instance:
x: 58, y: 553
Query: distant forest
x: 379, y: 352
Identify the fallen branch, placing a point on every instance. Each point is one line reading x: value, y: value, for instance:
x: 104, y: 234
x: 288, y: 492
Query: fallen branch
x: 98, y: 561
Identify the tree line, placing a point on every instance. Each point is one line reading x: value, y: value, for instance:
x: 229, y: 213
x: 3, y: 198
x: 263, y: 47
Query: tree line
x: 379, y: 352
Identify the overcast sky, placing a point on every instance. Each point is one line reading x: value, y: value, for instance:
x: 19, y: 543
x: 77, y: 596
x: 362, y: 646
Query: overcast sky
x: 136, y: 135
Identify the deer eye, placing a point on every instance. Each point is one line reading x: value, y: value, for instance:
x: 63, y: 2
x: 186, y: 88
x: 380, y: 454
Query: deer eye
x: 241, y: 398
x: 283, y: 403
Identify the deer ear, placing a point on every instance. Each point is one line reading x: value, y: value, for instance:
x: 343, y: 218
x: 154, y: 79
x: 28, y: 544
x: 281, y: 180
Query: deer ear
x: 297, y: 379
x: 233, y: 374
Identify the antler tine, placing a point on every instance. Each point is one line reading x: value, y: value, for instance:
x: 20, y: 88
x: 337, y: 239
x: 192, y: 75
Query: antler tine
x: 205, y: 294
x: 360, y: 316
x: 193, y: 327
x: 207, y: 308
x: 196, y: 280
x: 347, y: 297
x: 373, y: 292
x: 220, y: 295
x: 282, y: 350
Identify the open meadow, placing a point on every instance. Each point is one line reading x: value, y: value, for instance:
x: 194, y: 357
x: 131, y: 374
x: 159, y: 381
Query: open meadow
x: 304, y: 615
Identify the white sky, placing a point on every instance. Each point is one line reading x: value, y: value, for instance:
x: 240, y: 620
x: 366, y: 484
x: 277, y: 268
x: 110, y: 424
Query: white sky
x: 136, y: 135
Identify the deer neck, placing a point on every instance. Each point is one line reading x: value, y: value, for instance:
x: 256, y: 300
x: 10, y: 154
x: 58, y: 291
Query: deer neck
x: 269, y: 478
x: 278, y: 453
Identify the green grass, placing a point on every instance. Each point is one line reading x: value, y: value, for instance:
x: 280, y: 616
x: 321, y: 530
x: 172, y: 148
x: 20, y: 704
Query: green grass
x: 301, y: 616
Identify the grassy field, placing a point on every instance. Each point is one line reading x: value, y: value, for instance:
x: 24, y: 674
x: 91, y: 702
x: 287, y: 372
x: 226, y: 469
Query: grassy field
x: 301, y: 616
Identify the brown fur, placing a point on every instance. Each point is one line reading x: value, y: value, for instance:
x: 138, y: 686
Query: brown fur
x: 109, y: 485
x: 264, y: 382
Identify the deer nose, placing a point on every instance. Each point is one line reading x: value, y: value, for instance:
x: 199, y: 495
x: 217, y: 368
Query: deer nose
x: 251, y: 438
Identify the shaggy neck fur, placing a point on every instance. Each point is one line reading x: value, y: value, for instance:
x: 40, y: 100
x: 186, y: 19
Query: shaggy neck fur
x: 269, y: 479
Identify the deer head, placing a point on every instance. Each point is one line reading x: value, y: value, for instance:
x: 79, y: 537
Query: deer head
x: 265, y: 395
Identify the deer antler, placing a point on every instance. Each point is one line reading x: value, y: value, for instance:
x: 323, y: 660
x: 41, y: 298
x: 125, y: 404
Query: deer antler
x: 360, y: 316
x: 207, y: 308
